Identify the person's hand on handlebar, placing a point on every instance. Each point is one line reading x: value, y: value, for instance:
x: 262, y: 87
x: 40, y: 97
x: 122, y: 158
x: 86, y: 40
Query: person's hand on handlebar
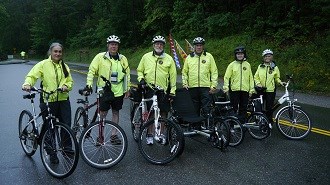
x: 87, y: 90
x: 283, y: 83
x: 26, y: 87
x: 64, y: 88
x: 142, y: 83
x: 212, y: 90
x: 171, y: 97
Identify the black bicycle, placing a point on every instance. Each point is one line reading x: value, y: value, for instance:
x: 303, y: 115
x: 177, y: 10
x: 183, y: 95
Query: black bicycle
x: 58, y: 147
x: 215, y: 128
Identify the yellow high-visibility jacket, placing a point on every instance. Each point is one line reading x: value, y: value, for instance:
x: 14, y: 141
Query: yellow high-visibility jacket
x: 52, y: 77
x: 239, y: 76
x: 104, y: 65
x: 158, y: 70
x: 200, y: 71
x: 267, y: 77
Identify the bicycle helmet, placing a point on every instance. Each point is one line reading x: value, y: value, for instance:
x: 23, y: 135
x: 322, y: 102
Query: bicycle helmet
x: 240, y: 49
x: 113, y: 38
x: 267, y: 51
x: 198, y: 40
x: 158, y: 38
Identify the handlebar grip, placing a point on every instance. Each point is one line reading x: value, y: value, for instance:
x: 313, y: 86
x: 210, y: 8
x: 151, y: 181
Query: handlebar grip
x: 60, y: 89
x: 104, y: 79
x: 34, y: 89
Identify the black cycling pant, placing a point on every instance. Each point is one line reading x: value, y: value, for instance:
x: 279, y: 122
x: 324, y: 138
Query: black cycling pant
x: 239, y: 100
x: 201, y: 99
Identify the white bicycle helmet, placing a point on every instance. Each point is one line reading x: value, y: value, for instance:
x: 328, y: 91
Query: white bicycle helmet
x: 158, y: 38
x: 113, y: 38
x: 198, y: 40
x: 267, y: 51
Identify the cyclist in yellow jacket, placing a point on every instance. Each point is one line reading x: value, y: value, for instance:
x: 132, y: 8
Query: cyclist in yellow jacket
x: 238, y: 81
x: 54, y: 74
x: 200, y: 75
x: 268, y: 75
x: 114, y: 67
x: 158, y: 68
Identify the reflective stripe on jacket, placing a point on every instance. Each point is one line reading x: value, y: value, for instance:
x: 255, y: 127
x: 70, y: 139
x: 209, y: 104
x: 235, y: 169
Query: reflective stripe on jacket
x: 52, y: 77
x: 200, y: 71
x: 266, y: 77
x: 239, y: 76
x: 158, y: 70
x: 104, y: 65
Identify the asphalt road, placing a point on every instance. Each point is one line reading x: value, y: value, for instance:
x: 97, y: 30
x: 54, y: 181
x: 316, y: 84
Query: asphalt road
x: 275, y: 160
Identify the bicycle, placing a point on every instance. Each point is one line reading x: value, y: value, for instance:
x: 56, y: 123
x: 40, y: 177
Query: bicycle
x: 257, y: 123
x: 81, y: 118
x: 102, y: 143
x: 225, y: 110
x: 58, y: 146
x: 168, y: 136
x: 216, y: 129
x: 292, y: 122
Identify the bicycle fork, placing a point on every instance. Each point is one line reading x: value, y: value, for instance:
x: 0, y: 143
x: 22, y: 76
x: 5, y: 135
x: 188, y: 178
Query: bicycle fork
x: 100, y: 138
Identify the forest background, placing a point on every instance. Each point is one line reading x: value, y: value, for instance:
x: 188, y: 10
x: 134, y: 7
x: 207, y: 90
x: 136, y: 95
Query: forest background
x: 296, y: 30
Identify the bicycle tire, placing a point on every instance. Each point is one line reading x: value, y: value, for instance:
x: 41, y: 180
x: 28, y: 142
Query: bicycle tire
x: 236, y: 131
x: 258, y: 126
x: 221, y: 138
x: 293, y: 123
x: 162, y: 152
x: 80, y: 122
x: 103, y: 154
x: 26, y: 133
x: 59, y: 143
x: 136, y: 120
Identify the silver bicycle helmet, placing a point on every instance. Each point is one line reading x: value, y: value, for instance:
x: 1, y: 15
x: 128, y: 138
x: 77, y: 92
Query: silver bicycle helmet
x: 267, y: 51
x: 158, y: 38
x: 113, y: 38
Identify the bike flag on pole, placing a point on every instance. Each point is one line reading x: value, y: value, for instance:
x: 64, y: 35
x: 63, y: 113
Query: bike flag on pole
x: 175, y: 55
x: 189, y: 47
x: 181, y: 51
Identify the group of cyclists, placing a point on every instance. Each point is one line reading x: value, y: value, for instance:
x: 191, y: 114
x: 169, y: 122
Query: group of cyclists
x: 156, y: 68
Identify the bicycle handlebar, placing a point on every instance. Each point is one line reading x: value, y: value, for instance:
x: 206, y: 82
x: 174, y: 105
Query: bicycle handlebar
x: 39, y: 90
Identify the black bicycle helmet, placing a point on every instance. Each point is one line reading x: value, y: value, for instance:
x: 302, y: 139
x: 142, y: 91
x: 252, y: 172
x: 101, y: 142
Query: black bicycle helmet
x: 240, y: 49
x: 198, y: 40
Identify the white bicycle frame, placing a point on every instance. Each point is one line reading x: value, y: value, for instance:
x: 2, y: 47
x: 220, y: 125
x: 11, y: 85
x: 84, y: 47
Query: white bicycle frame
x: 285, y: 98
x: 145, y: 113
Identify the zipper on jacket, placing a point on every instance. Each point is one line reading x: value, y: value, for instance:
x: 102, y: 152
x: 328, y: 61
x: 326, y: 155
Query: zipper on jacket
x: 156, y: 70
x: 241, y: 77
x: 266, y: 77
x: 199, y: 66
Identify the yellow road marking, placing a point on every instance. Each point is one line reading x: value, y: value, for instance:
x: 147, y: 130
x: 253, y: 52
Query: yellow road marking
x: 304, y: 127
x: 77, y: 71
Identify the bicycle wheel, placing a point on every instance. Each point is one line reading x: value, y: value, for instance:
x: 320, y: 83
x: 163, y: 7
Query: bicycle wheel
x: 293, y: 123
x: 236, y: 131
x: 136, y: 120
x: 103, y: 149
x: 80, y: 122
x: 221, y: 136
x: 258, y: 126
x: 59, y: 150
x: 161, y: 149
x: 26, y: 133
